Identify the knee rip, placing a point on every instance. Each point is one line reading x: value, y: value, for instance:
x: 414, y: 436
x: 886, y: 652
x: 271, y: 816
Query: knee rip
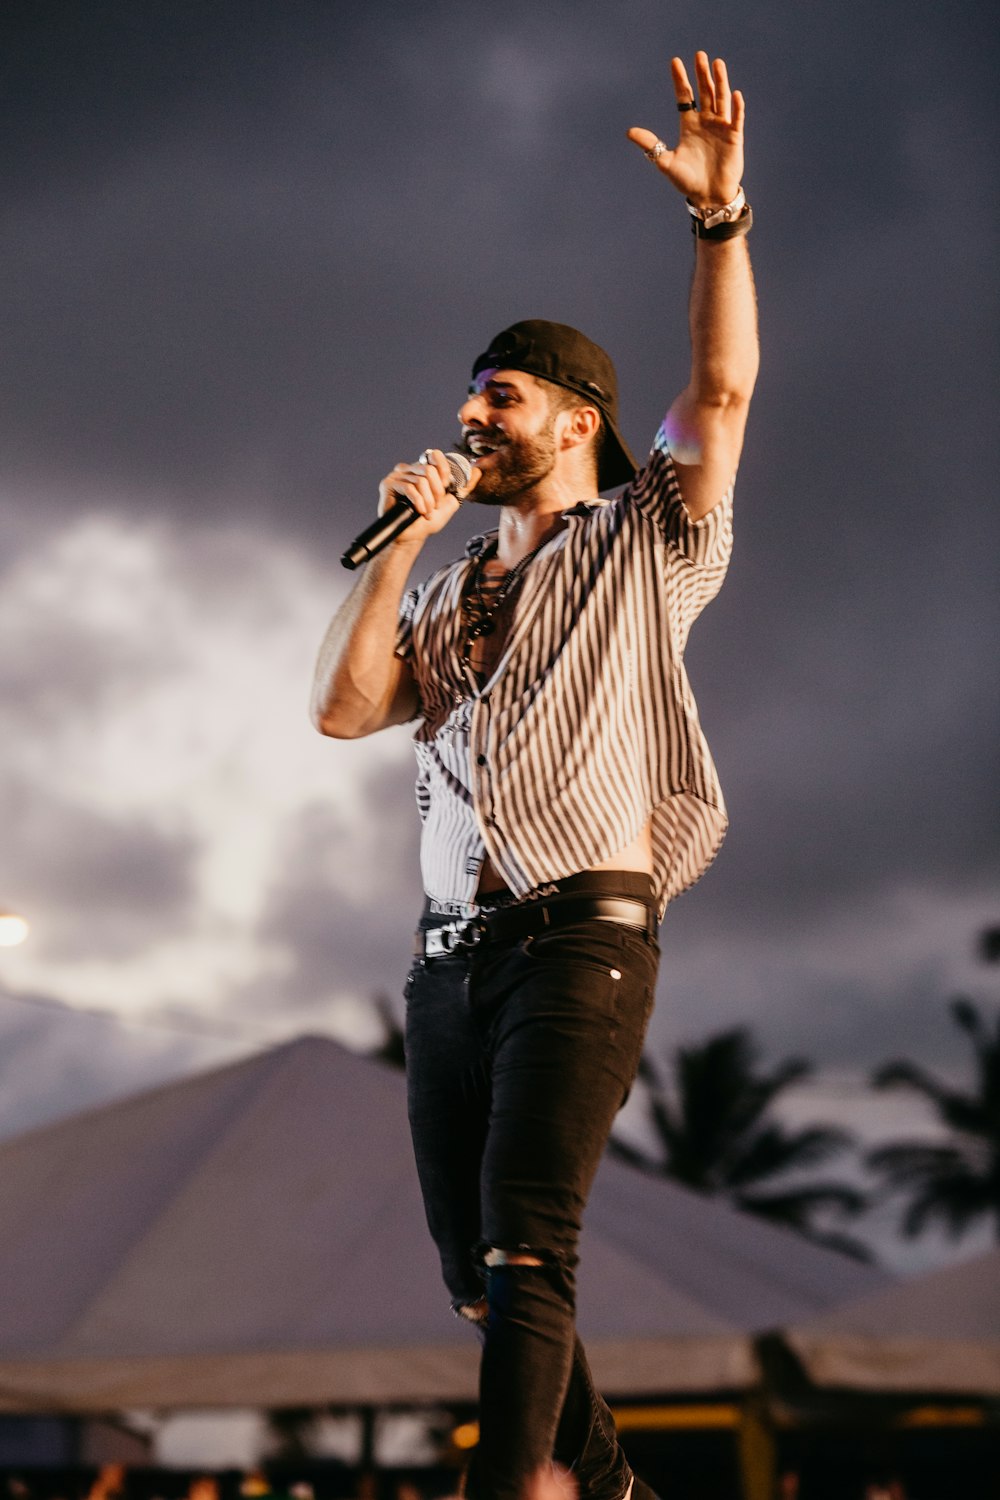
x: 490, y: 1257
x: 496, y: 1257
x: 477, y: 1312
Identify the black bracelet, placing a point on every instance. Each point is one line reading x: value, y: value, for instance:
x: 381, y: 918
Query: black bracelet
x: 732, y: 231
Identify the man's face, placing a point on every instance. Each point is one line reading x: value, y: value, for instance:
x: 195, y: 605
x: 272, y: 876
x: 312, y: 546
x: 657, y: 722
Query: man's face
x: 508, y: 428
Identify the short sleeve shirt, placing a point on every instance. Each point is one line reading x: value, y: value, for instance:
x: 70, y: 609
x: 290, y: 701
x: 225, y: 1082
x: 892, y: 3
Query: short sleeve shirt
x: 587, y: 729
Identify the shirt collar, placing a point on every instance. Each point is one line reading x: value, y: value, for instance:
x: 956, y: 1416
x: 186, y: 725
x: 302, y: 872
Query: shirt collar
x: 586, y: 507
x: 477, y: 545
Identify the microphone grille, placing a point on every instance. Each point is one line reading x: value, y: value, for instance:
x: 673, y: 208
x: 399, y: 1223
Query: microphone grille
x: 461, y: 469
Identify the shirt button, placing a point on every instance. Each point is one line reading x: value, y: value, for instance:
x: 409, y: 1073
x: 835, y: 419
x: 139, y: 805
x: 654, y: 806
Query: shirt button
x: 480, y: 760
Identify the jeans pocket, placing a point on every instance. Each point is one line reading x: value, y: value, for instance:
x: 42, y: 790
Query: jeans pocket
x: 583, y: 965
x: 592, y: 945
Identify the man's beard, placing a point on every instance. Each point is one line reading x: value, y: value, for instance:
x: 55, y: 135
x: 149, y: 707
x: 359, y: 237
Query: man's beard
x: 516, y: 466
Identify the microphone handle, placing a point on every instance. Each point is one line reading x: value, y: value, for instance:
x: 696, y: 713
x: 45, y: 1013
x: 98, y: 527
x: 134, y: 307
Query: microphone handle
x: 383, y: 530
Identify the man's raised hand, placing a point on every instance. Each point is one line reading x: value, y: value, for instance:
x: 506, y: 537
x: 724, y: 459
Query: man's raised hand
x: 706, y: 165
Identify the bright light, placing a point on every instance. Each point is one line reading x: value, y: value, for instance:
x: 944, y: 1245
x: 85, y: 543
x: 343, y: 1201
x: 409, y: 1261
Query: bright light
x: 13, y: 929
x: 466, y: 1435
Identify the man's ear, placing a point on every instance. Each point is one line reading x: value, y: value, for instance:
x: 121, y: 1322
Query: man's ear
x: 582, y: 425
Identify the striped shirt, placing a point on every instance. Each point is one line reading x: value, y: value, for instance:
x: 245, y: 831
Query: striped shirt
x: 587, y: 730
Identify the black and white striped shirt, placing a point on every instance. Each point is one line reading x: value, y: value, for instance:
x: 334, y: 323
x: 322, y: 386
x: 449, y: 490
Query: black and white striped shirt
x: 587, y: 729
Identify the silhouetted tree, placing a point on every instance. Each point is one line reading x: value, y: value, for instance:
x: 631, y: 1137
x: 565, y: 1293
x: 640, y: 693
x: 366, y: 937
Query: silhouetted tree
x: 989, y: 945
x: 715, y: 1136
x: 955, y: 1183
x: 292, y: 1430
x: 391, y: 1048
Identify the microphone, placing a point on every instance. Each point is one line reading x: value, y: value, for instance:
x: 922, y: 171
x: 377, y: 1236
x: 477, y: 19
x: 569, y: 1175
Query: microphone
x: 386, y: 527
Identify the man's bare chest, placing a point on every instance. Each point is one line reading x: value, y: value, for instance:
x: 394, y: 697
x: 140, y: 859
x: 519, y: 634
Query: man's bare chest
x: 489, y: 605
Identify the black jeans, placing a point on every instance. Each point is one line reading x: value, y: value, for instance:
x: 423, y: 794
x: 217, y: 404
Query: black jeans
x: 518, y: 1058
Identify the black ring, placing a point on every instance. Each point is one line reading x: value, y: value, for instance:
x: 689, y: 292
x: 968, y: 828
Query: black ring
x: 689, y: 105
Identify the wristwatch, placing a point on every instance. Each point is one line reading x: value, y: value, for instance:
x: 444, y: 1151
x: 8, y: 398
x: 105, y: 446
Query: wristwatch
x: 709, y: 217
x: 725, y: 223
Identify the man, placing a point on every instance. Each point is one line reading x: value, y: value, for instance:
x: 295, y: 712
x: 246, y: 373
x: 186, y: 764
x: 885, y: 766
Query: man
x: 565, y: 789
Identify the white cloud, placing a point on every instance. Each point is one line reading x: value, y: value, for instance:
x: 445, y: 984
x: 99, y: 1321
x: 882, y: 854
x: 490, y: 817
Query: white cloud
x: 160, y: 681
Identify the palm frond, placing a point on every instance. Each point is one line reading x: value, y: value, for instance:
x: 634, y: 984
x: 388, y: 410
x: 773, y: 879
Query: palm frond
x: 968, y: 1018
x: 796, y: 1206
x: 989, y: 945
x: 909, y: 1162
x: 843, y: 1244
x: 955, y: 1205
x: 902, y: 1074
x: 633, y: 1155
x: 774, y: 1150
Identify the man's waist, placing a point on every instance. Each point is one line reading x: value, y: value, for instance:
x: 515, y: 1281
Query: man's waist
x: 624, y: 896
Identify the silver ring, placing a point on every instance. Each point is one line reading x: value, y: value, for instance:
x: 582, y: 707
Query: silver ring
x: 656, y: 151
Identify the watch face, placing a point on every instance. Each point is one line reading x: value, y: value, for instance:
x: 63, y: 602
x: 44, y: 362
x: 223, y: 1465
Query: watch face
x: 724, y: 214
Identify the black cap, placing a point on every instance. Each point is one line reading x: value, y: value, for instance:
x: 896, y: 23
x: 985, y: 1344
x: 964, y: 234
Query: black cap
x: 556, y: 352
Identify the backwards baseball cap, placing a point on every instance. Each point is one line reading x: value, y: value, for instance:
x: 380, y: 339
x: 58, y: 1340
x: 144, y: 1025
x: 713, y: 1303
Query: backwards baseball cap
x: 556, y: 352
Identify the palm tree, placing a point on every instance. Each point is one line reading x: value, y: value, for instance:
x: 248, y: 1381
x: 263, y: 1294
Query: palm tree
x: 989, y: 945
x: 292, y: 1432
x: 956, y: 1183
x: 715, y: 1136
x: 391, y: 1049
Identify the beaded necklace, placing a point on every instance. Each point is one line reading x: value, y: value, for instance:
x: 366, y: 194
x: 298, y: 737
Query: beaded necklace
x: 483, y: 600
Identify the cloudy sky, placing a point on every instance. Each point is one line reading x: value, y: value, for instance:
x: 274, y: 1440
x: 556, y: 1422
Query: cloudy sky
x: 249, y: 251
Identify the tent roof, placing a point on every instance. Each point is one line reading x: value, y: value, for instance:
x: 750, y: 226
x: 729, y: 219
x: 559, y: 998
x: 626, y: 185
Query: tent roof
x: 254, y: 1235
x: 939, y: 1332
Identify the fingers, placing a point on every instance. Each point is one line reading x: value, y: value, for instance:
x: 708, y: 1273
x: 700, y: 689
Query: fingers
x: 682, y: 86
x: 424, y: 485
x: 723, y: 97
x: 427, y: 486
x: 715, y: 96
x: 474, y: 477
x: 706, y: 83
x: 435, y: 459
x: 646, y: 140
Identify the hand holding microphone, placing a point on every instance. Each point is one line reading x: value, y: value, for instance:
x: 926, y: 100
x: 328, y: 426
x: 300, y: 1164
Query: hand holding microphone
x: 413, y: 492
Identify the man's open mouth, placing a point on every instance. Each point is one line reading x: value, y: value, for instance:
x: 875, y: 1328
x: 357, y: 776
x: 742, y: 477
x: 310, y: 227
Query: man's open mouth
x: 479, y: 447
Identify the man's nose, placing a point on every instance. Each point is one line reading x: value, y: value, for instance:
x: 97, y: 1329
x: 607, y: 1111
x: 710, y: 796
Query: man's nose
x: 471, y: 411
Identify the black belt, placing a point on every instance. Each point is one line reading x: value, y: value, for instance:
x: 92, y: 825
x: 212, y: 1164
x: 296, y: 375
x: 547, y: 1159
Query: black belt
x: 512, y: 923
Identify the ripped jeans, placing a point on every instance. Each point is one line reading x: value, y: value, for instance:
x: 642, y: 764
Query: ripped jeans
x: 519, y: 1056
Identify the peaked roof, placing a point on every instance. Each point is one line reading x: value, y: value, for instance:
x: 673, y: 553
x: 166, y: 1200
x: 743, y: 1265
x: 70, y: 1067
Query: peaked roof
x: 254, y: 1235
x: 937, y: 1332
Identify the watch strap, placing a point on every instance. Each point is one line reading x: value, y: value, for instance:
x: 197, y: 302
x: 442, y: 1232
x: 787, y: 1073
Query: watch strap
x: 725, y: 214
x: 724, y: 231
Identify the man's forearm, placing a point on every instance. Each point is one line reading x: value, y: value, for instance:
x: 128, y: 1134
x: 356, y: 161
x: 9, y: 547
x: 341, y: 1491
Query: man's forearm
x: 360, y: 685
x: 723, y: 321
x: 707, y: 421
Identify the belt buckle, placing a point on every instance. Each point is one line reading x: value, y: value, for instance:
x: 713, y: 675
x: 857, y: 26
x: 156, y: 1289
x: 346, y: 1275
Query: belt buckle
x: 462, y: 935
x: 439, y: 942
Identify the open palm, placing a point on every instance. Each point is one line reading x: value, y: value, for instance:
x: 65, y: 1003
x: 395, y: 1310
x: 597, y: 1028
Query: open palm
x: 706, y: 165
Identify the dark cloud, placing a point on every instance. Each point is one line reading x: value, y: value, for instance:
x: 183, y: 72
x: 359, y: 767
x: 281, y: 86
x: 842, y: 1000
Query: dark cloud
x: 249, y: 251
x: 109, y: 886
x: 853, y: 988
x: 254, y: 249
